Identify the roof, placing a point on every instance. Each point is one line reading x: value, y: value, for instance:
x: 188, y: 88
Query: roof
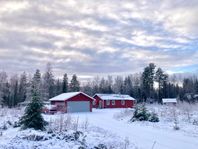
x: 114, y: 97
x: 66, y: 96
x: 196, y: 95
x: 169, y: 100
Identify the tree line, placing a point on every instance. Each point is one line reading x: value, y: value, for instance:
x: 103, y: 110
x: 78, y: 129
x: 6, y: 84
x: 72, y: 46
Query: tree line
x: 151, y: 85
x: 15, y: 90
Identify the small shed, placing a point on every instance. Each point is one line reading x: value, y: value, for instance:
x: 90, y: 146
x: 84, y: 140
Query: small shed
x: 113, y: 101
x: 73, y: 102
x: 169, y: 101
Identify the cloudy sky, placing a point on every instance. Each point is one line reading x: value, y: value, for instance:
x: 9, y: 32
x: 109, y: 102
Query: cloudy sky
x: 98, y: 37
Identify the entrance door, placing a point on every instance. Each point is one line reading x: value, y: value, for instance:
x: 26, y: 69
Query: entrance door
x: 100, y: 104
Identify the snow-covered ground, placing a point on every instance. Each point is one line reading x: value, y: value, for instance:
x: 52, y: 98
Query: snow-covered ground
x: 113, y: 128
x: 145, y: 134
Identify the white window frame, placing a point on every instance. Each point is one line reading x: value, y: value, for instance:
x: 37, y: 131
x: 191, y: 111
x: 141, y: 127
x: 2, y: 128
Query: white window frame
x: 122, y: 102
x: 108, y: 102
x: 113, y: 102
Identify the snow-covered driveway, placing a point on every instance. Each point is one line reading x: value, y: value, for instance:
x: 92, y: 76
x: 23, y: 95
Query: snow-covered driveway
x: 143, y: 136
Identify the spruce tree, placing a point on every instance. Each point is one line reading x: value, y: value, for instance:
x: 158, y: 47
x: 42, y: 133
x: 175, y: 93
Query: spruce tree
x: 161, y: 79
x: 65, y: 84
x: 3, y: 81
x: 58, y: 87
x: 22, y: 88
x: 48, y: 83
x: 32, y: 117
x: 74, y: 85
x: 148, y: 80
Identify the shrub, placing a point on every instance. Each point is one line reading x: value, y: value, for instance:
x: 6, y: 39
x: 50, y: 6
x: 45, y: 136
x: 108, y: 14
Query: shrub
x: 100, y: 146
x: 153, y: 117
x: 16, y: 124
x: 176, y: 127
x: 195, y: 122
x: 142, y: 114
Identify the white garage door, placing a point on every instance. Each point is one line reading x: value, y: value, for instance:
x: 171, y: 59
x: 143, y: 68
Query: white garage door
x: 78, y: 106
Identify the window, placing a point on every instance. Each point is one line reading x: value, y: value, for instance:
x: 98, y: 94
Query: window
x: 108, y: 102
x: 113, y: 102
x: 122, y: 102
x: 94, y: 102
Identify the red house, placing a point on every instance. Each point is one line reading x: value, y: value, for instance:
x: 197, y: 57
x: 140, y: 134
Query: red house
x: 113, y: 101
x: 72, y: 102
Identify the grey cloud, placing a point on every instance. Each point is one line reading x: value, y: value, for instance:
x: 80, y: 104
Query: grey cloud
x: 92, y: 37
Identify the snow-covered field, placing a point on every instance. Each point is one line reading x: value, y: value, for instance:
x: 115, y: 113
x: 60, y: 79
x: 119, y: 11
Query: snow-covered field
x: 110, y: 127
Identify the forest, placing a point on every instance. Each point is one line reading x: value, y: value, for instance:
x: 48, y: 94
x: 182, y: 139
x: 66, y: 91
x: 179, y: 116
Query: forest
x: 150, y: 85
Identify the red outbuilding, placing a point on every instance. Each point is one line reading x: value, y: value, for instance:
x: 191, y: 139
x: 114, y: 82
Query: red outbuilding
x: 72, y: 102
x: 113, y: 101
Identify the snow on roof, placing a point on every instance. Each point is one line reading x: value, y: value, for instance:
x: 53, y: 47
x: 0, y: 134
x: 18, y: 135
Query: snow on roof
x: 196, y: 95
x: 66, y: 96
x: 169, y: 100
x: 50, y: 107
x: 114, y: 97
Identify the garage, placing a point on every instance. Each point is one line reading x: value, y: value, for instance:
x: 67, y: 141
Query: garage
x: 78, y: 106
x: 72, y: 102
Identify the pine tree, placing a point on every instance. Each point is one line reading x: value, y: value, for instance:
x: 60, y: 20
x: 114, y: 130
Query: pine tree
x: 65, y: 84
x: 13, y: 98
x: 161, y: 79
x: 196, y: 86
x: 58, y: 86
x: 32, y: 117
x: 128, y: 87
x: 74, y: 85
x: 3, y: 81
x: 22, y: 88
x: 148, y: 80
x: 48, y: 83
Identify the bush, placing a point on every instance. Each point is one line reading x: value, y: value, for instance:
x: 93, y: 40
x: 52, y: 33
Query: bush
x: 142, y: 114
x: 16, y: 124
x: 100, y: 146
x: 176, y: 127
x: 195, y: 122
x: 153, y: 117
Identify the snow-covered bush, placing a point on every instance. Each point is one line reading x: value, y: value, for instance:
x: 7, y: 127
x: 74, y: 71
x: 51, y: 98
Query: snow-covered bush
x: 142, y: 114
x: 195, y: 122
x: 100, y: 146
x: 85, y: 124
x: 153, y: 117
x: 176, y: 127
x: 126, y: 143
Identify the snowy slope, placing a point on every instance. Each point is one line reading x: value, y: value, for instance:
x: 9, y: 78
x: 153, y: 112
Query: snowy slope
x: 110, y: 127
x: 141, y: 134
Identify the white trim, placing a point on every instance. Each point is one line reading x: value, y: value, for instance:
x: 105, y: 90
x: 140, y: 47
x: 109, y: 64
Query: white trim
x: 113, y: 102
x: 108, y: 102
x: 114, y: 97
x: 169, y: 100
x: 66, y: 96
x: 122, y: 102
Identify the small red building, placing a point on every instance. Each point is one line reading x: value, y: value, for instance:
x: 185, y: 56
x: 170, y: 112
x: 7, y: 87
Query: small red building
x: 113, y: 101
x: 73, y: 102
